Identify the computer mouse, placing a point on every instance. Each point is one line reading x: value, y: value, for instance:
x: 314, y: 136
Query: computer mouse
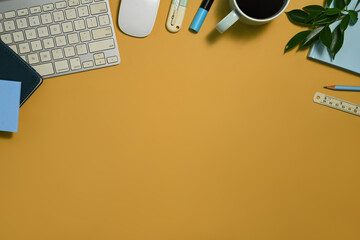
x: 137, y: 17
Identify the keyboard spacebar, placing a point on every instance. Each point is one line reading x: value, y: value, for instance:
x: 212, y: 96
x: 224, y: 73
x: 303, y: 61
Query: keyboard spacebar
x: 101, y: 45
x: 44, y: 69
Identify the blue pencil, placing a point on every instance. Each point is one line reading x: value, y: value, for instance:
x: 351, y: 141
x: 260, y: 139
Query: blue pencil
x: 344, y: 88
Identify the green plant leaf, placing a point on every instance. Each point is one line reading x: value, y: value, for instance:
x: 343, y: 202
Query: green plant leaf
x: 337, y: 41
x: 314, y: 8
x: 353, y: 16
x: 322, y: 20
x: 328, y: 3
x: 296, y: 40
x: 339, y: 4
x: 312, y: 37
x: 297, y: 16
x: 357, y: 4
x: 325, y: 36
x: 312, y: 16
x: 345, y: 23
x: 347, y: 2
x: 332, y: 11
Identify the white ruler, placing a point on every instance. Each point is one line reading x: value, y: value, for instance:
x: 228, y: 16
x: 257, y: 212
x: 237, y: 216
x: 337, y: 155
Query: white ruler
x: 336, y: 103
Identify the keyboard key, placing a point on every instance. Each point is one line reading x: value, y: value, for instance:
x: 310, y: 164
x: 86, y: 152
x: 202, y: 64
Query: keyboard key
x: 14, y: 48
x: 6, y: 38
x: 101, y: 45
x: 10, y: 14
x: 45, y: 56
x: 36, y: 45
x: 88, y: 64
x: 35, y: 10
x: 69, y: 51
x: 85, y: 36
x: 99, y: 56
x: 23, y: 12
x: 104, y: 20
x: 55, y: 29
x: 33, y: 58
x: 58, y: 16
x: 46, y: 18
x: 91, y: 22
x: 30, y: 34
x: 24, y: 48
x: 73, y: 3
x: 1, y: 28
x: 1, y: 16
x: 43, y: 32
x: 57, y: 54
x: 83, y: 11
x: 21, y: 23
x: 60, y: 41
x: 62, y: 66
x: 48, y: 43
x: 9, y: 25
x: 75, y: 64
x: 86, y: 1
x: 34, y: 21
x: 18, y: 36
x: 44, y: 69
x: 98, y: 8
x: 73, y: 38
x: 24, y: 58
x: 81, y: 49
x: 60, y: 5
x: 79, y: 25
x: 99, y: 62
x: 70, y: 14
x: 102, y: 33
x: 67, y: 27
x: 48, y: 7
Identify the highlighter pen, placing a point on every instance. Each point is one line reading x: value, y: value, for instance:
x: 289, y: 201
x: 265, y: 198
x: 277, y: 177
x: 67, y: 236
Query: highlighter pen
x: 201, y: 15
x: 176, y: 15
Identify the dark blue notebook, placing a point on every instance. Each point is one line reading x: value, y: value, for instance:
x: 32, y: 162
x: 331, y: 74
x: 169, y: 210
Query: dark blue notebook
x: 14, y: 68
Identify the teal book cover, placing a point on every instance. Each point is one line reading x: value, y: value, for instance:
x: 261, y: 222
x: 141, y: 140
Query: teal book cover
x: 348, y: 57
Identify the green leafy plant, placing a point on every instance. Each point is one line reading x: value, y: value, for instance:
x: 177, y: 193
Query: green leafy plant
x: 318, y: 19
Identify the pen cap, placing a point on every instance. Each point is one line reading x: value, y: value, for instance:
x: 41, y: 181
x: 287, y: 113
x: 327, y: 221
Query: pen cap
x: 206, y: 4
x: 198, y: 20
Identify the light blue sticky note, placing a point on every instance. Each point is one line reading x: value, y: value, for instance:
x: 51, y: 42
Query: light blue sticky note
x: 9, y: 105
x: 348, y: 57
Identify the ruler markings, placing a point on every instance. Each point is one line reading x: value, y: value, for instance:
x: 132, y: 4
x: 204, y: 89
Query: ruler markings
x: 337, y: 103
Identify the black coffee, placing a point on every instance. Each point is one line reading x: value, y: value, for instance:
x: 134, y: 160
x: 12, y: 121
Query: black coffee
x: 260, y: 9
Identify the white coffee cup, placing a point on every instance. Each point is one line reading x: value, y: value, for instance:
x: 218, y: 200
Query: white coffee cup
x: 237, y: 14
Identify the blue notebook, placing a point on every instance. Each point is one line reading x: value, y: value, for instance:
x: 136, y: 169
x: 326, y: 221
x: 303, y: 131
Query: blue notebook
x: 9, y: 105
x: 348, y: 57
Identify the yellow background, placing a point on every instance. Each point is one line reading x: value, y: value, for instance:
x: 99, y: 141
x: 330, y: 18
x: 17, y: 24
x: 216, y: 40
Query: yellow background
x: 192, y: 136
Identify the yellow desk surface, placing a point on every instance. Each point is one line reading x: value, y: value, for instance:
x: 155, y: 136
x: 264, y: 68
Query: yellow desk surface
x: 192, y: 136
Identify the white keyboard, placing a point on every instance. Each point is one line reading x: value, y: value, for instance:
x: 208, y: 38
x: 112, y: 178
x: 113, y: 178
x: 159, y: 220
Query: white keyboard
x: 60, y: 37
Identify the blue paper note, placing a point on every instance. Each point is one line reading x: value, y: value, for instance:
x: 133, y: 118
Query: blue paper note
x: 9, y: 105
x: 348, y: 57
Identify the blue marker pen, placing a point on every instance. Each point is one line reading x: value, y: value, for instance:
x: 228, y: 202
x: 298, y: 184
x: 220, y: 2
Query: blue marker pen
x: 201, y: 15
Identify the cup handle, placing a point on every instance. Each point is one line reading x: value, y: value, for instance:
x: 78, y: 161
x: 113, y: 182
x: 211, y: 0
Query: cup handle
x: 227, y: 22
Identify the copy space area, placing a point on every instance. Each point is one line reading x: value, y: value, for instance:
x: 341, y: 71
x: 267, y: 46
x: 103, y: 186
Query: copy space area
x: 192, y: 136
